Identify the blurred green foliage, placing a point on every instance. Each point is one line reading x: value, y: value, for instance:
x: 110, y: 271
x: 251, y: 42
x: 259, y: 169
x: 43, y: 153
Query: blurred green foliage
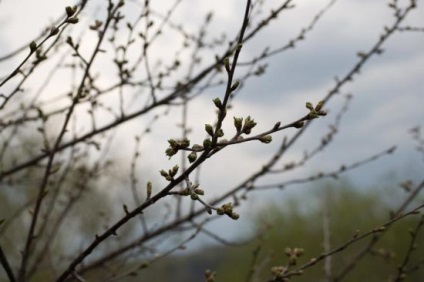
x: 298, y: 222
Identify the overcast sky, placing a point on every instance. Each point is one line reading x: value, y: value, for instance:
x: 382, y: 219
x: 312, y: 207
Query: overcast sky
x: 387, y: 100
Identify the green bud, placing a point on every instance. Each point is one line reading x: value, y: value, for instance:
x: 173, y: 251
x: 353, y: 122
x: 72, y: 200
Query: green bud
x: 170, y: 152
x: 173, y: 143
x: 194, y: 196
x: 220, y: 211
x: 70, y: 11
x: 69, y: 41
x: 53, y: 31
x: 163, y: 173
x: 238, y: 123
x: 235, y: 86
x: 313, y: 114
x: 249, y: 123
x: 149, y: 189
x: 174, y: 170
x: 234, y: 216
x: 209, y: 129
x: 318, y: 107
x: 228, y: 208
x: 299, y: 124
x: 265, y: 139
x: 227, y: 64
x: 192, y: 157
x: 309, y: 106
x: 33, y: 46
x: 199, y: 191
x: 220, y: 132
x: 73, y: 20
x: 217, y: 103
x: 207, y: 143
x: 185, y: 143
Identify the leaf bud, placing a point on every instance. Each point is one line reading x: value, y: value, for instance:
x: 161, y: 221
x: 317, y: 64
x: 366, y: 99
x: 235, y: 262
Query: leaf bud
x: 309, y: 106
x: 227, y: 64
x: 318, y: 107
x: 173, y: 143
x: 185, y: 143
x: 220, y: 132
x: 199, y: 191
x: 163, y: 173
x: 299, y: 124
x: 312, y: 114
x: 70, y: 11
x: 217, y: 103
x: 209, y: 129
x: 69, y: 41
x: 170, y: 152
x: 238, y: 123
x: 207, y: 143
x: 73, y: 20
x: 149, y: 189
x: 234, y: 215
x: 235, y: 86
x: 53, y: 31
x: 192, y: 157
x: 33, y: 46
x: 220, y: 211
x: 174, y: 170
x: 265, y: 139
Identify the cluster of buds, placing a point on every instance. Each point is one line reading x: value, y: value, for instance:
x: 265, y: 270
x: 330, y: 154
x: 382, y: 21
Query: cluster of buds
x: 210, y: 131
x: 228, y: 210
x: 70, y: 12
x: 175, y: 145
x: 194, y: 192
x: 245, y: 127
x: 293, y: 255
x: 170, y: 174
x: 278, y: 272
x: 317, y: 111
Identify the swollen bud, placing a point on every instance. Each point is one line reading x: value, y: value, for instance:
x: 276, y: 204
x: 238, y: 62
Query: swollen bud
x: 174, y: 170
x: 318, y: 107
x: 207, y: 143
x: 235, y: 86
x: 170, y: 152
x: 33, y: 46
x: 299, y: 124
x: 309, y: 106
x: 70, y: 11
x: 149, y: 190
x: 192, y: 157
x: 238, y: 123
x: 227, y: 64
x: 217, y: 103
x: 53, y: 31
x: 265, y: 139
x: 73, y: 20
x: 209, y: 129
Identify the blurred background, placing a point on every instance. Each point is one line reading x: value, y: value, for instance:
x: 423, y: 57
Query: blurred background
x: 308, y: 195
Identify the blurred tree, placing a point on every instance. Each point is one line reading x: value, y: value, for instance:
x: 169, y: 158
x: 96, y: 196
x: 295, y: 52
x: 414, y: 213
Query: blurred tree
x: 79, y: 103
